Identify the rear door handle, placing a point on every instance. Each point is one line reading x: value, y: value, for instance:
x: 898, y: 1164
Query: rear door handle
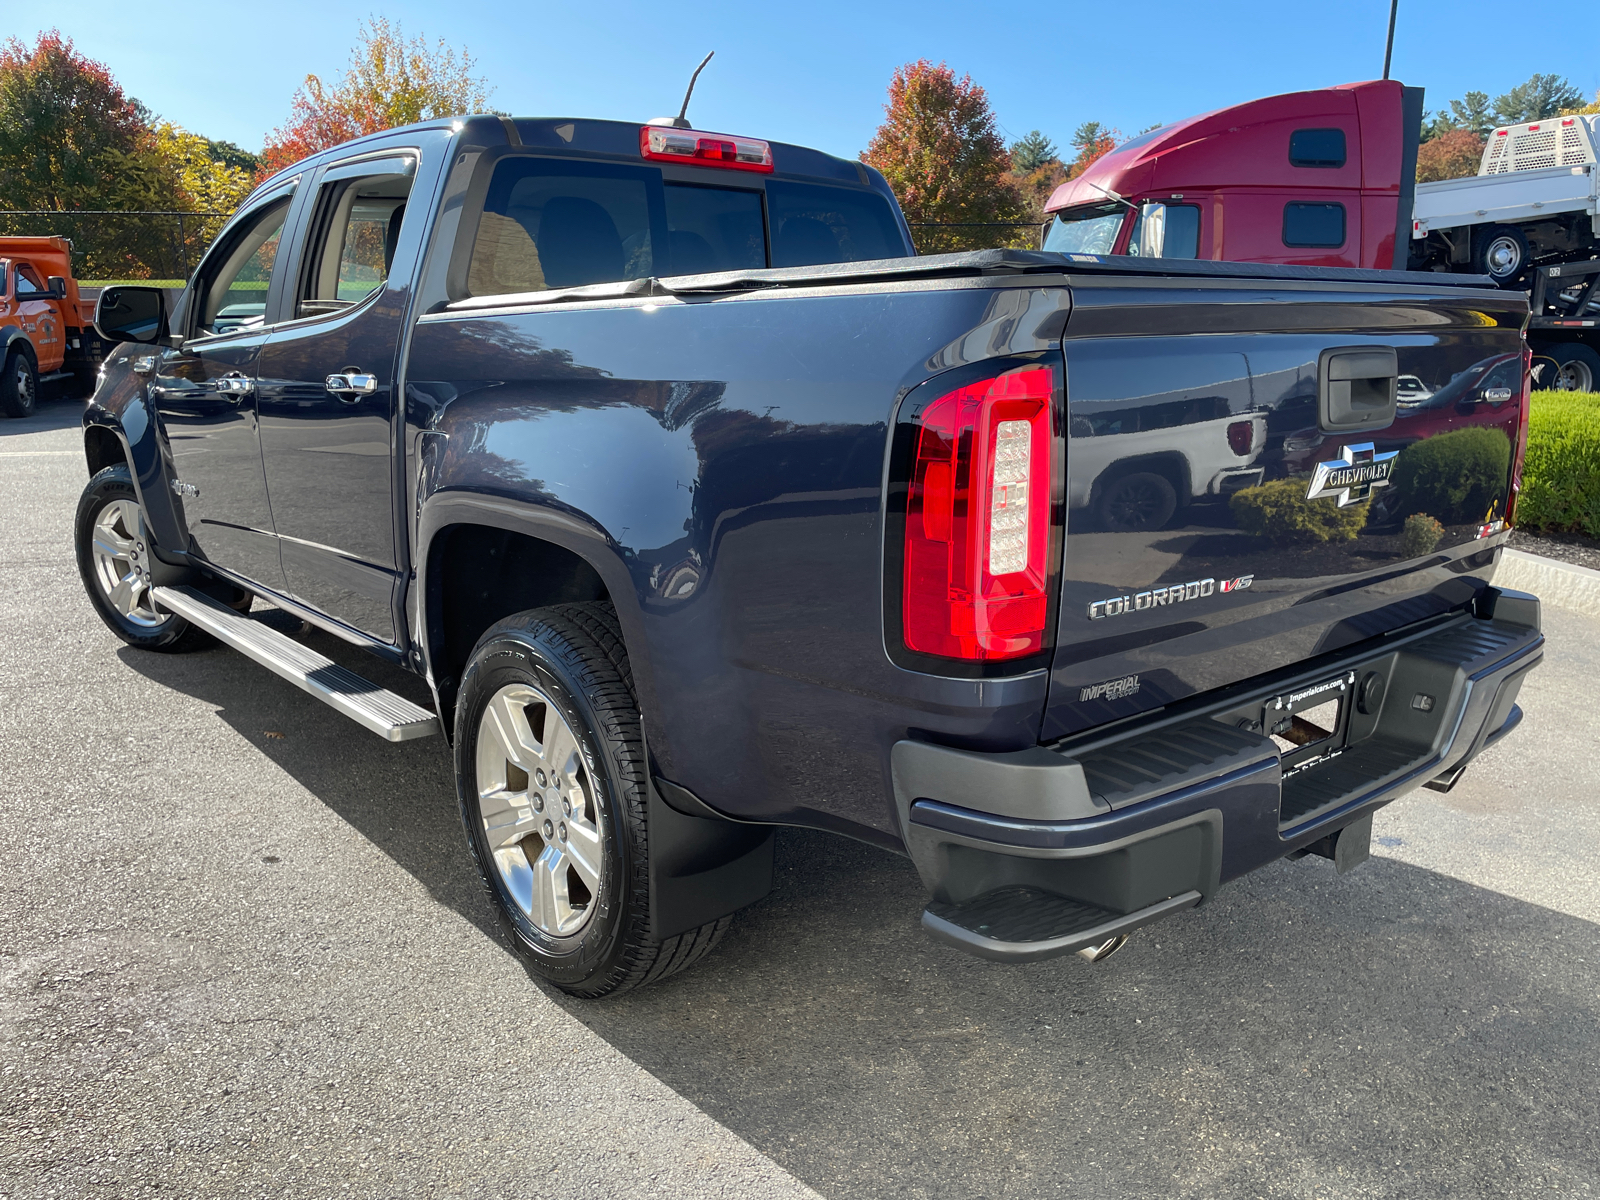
x: 351, y: 385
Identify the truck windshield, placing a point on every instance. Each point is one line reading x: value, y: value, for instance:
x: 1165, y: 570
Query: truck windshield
x: 1090, y: 230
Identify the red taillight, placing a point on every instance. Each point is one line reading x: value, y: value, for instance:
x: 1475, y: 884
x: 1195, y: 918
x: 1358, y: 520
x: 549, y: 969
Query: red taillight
x: 664, y: 143
x: 1522, y: 431
x: 978, y: 520
x: 1241, y: 436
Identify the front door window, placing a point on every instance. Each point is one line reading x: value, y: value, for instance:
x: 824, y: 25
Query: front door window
x: 205, y: 392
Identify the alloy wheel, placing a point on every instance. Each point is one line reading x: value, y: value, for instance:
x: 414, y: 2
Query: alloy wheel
x: 122, y: 563
x: 538, y: 811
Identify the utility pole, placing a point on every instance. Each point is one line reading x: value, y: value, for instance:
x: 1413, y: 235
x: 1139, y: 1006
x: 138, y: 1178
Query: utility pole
x: 1388, y: 51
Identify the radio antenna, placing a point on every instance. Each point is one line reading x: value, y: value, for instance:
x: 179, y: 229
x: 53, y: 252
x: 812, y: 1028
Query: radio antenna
x: 681, y: 120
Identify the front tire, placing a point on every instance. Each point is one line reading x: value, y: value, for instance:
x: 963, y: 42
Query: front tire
x: 117, y: 563
x: 19, y: 384
x: 551, y: 778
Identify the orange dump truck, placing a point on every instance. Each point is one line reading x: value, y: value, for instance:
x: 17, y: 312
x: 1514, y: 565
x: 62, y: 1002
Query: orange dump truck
x: 46, y: 330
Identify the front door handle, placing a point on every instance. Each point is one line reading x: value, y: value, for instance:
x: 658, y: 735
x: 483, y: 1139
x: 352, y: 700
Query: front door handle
x: 236, y: 385
x: 350, y: 386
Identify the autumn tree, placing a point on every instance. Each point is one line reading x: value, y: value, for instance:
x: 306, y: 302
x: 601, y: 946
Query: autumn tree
x: 392, y: 80
x: 1091, y: 140
x: 940, y: 151
x: 69, y: 137
x: 1453, y: 155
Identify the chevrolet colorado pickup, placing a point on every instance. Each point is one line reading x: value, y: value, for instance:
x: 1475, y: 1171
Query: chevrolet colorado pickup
x: 704, y: 506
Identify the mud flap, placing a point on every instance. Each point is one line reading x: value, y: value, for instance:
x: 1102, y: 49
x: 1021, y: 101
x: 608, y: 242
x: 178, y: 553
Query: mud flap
x: 701, y: 867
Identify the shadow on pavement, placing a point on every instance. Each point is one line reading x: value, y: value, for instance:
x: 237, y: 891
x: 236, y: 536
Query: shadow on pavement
x: 51, y: 412
x: 1389, y: 1033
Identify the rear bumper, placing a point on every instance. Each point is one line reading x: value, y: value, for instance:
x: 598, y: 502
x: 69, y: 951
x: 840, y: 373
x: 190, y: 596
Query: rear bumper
x: 1041, y: 852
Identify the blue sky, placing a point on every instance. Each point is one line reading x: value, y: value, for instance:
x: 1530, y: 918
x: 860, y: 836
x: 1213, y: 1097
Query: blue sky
x: 816, y: 73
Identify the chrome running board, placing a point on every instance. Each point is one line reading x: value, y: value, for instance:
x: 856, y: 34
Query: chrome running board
x: 386, y: 714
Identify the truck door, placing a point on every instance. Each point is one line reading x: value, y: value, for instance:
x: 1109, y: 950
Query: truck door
x: 39, y: 314
x: 328, y: 394
x: 205, y: 392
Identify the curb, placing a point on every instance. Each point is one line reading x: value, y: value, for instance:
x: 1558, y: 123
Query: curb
x: 1576, y: 588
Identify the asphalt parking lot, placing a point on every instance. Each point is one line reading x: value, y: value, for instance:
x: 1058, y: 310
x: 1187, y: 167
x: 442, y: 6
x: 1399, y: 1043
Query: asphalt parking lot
x: 243, y: 953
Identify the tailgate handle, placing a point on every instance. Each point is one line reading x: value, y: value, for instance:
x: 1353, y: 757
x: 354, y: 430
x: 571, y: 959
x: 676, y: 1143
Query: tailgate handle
x: 1356, y: 388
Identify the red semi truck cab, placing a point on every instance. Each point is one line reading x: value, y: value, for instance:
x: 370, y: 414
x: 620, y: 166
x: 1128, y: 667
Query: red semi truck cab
x: 1321, y: 178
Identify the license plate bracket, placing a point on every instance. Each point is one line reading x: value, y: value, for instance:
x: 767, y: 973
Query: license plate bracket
x: 1311, y: 723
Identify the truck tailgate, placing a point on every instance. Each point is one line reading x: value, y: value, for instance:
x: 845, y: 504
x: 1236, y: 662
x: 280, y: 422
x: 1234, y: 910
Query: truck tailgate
x: 1196, y: 556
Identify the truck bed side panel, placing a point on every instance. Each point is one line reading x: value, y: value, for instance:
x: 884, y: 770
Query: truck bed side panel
x: 732, y: 451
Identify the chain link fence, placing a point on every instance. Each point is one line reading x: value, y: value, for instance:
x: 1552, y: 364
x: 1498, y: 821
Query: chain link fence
x: 945, y: 237
x: 108, y: 245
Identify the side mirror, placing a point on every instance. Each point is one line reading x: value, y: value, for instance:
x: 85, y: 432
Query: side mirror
x: 131, y: 314
x: 1152, y: 229
x: 58, y: 287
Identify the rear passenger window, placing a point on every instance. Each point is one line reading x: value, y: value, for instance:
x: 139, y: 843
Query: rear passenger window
x: 713, y: 229
x: 1313, y: 225
x: 562, y: 224
x: 814, y: 223
x: 1316, y: 148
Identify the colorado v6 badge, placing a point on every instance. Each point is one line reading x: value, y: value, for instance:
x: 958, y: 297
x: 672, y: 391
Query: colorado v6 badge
x: 1351, y: 479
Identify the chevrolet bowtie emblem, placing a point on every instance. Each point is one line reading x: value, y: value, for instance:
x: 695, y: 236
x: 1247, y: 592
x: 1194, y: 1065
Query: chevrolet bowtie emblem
x: 1351, y: 479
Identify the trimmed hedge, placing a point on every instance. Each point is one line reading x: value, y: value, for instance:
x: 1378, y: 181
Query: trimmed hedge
x: 1561, y: 474
x: 1280, y: 512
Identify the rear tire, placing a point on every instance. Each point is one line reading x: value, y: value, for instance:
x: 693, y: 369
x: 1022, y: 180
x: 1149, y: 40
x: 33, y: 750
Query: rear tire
x: 19, y: 384
x: 1577, y: 368
x: 553, y: 789
x: 1137, y: 503
x: 116, y: 561
x: 1500, y: 252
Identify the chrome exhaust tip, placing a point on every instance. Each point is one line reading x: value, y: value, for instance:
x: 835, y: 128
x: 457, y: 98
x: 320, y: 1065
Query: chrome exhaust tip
x: 1101, y: 951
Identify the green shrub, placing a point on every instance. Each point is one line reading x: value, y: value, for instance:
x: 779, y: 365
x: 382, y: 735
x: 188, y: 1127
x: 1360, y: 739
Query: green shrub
x: 1561, y: 473
x: 1458, y: 475
x: 1420, y: 535
x: 1280, y: 512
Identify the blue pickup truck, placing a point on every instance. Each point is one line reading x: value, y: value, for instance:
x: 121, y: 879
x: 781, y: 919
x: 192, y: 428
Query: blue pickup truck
x: 704, y: 506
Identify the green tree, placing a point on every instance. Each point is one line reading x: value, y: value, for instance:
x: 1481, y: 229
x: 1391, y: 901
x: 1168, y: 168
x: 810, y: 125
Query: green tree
x: 391, y: 81
x: 947, y: 163
x: 1542, y: 96
x: 206, y: 183
x: 1032, y: 152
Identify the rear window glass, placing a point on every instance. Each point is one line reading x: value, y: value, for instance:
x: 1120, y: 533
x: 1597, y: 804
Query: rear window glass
x: 556, y: 225
x: 1316, y: 148
x: 1313, y: 225
x: 713, y: 229
x: 814, y: 223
